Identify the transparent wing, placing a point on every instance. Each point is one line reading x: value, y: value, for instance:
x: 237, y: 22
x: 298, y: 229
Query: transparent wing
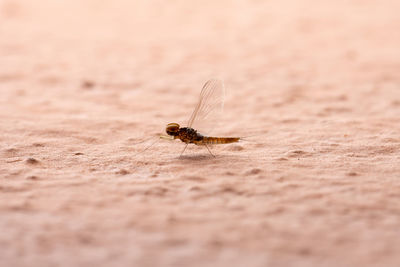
x: 208, y: 110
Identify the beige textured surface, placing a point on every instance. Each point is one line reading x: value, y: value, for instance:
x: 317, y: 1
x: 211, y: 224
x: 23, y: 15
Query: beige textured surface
x: 84, y: 83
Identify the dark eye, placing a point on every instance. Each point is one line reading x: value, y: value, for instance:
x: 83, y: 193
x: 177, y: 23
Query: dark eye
x: 172, y: 128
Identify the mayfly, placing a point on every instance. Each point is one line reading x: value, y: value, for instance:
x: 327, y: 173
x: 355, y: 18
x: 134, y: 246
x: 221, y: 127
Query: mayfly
x: 203, y: 119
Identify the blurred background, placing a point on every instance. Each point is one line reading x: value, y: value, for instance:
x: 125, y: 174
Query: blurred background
x: 132, y: 46
x: 192, y: 33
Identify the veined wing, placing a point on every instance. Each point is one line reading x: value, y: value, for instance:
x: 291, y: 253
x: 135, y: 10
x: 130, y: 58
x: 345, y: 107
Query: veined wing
x: 209, y: 108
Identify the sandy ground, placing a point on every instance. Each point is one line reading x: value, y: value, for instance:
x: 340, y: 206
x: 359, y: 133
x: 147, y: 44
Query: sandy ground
x: 86, y: 85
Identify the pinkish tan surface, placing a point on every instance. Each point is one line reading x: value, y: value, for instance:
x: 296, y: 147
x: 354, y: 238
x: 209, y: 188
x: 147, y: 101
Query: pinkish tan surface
x: 86, y: 85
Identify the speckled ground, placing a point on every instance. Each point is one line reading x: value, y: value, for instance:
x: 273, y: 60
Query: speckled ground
x: 86, y: 86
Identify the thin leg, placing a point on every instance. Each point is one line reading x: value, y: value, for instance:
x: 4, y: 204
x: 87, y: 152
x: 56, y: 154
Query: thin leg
x: 210, y: 151
x: 183, y: 150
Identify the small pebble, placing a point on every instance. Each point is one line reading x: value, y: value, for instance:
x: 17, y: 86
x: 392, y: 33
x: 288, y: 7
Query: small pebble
x: 122, y: 172
x: 253, y: 171
x: 32, y: 177
x: 32, y: 161
x: 88, y: 84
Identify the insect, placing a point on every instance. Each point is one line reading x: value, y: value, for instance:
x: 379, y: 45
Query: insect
x: 203, y: 118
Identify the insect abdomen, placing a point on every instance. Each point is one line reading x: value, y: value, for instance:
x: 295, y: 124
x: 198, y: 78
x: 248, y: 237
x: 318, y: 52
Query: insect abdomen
x: 220, y: 140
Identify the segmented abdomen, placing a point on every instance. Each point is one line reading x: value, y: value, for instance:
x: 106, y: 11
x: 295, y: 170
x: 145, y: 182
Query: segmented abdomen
x: 219, y: 140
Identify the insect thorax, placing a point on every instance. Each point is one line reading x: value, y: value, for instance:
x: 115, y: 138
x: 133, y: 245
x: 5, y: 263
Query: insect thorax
x: 189, y: 135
